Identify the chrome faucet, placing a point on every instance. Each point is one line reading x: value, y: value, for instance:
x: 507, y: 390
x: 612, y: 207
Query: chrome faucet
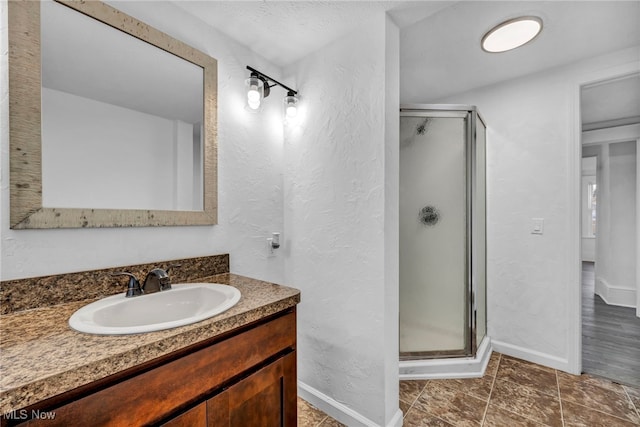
x: 157, y: 280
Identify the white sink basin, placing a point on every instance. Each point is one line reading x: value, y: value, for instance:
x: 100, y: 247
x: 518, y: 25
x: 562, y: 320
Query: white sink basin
x: 181, y: 305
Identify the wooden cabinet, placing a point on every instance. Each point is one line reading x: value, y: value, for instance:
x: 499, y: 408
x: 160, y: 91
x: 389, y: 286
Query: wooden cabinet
x: 246, y: 378
x: 194, y: 417
x: 259, y: 400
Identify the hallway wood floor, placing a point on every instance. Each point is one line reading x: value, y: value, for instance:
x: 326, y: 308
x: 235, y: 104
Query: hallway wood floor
x: 610, y: 336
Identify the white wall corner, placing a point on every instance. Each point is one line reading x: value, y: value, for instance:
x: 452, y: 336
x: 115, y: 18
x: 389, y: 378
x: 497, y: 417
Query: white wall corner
x: 615, y: 295
x: 393, y: 415
x: 396, y: 420
x: 335, y: 212
x: 573, y: 363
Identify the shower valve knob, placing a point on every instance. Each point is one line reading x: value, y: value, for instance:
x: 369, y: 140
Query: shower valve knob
x: 429, y: 215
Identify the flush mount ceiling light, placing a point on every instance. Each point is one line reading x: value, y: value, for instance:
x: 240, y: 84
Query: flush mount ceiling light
x: 259, y: 86
x: 511, y: 34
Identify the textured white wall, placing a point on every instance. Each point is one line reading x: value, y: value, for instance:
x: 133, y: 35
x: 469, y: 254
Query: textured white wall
x: 391, y: 220
x: 529, y: 144
x: 623, y: 208
x: 249, y: 177
x: 616, y: 235
x: 341, y: 226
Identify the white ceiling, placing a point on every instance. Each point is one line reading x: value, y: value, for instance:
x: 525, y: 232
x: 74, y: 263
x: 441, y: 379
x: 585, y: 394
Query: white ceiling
x: 441, y: 54
x: 615, y: 102
x: 285, y: 31
x: 440, y: 40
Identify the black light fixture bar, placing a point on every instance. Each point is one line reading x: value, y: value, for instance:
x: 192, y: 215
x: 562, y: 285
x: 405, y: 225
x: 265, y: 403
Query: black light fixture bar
x: 260, y: 74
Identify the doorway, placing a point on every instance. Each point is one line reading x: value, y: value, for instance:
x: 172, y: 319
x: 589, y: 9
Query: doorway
x: 609, y: 229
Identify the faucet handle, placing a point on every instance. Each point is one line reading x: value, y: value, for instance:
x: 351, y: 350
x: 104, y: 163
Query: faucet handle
x: 133, y: 287
x: 172, y: 266
x: 166, y: 283
x: 158, y: 280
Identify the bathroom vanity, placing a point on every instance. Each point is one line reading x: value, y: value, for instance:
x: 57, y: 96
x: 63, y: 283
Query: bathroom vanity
x: 236, y: 368
x: 245, y: 377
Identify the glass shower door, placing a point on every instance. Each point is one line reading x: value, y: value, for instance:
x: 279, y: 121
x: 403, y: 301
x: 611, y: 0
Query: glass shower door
x: 434, y: 303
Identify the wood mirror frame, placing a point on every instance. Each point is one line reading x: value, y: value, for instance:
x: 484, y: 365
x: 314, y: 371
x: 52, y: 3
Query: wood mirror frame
x: 25, y: 148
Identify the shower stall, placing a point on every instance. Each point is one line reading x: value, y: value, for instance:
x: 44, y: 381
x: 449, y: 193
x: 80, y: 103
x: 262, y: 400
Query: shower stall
x: 442, y: 241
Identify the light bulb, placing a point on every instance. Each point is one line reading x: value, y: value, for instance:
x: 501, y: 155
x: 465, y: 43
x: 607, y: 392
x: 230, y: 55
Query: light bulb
x: 253, y: 98
x: 290, y: 104
x: 255, y: 91
x: 253, y: 104
x: 253, y: 95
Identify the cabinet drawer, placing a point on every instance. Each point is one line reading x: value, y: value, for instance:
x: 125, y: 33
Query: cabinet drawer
x: 149, y: 396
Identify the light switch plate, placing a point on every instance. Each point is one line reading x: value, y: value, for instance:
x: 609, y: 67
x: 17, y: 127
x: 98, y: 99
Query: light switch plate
x: 537, y: 225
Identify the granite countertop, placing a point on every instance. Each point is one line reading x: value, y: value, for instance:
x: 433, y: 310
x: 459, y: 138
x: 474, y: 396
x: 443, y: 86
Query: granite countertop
x: 41, y: 356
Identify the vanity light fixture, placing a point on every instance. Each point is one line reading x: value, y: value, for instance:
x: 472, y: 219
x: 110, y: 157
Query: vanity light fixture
x: 511, y: 34
x: 259, y: 86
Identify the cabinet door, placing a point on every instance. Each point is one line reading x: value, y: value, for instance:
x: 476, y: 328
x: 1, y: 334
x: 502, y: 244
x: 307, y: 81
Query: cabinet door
x: 194, y: 417
x: 266, y: 398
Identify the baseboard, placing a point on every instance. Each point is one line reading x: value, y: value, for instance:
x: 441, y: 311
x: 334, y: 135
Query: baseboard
x: 339, y: 411
x: 614, y: 295
x: 461, y: 367
x: 531, y: 356
x: 397, y: 419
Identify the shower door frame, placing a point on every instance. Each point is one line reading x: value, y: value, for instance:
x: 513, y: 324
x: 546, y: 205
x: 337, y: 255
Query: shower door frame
x: 471, y: 114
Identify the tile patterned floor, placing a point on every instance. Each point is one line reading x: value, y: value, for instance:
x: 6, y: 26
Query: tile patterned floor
x: 512, y: 393
x: 310, y: 416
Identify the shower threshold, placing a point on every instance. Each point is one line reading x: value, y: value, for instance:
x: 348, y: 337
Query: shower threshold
x: 448, y: 368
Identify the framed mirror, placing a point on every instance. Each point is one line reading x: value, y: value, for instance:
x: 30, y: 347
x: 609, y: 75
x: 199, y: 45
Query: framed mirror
x: 112, y: 122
